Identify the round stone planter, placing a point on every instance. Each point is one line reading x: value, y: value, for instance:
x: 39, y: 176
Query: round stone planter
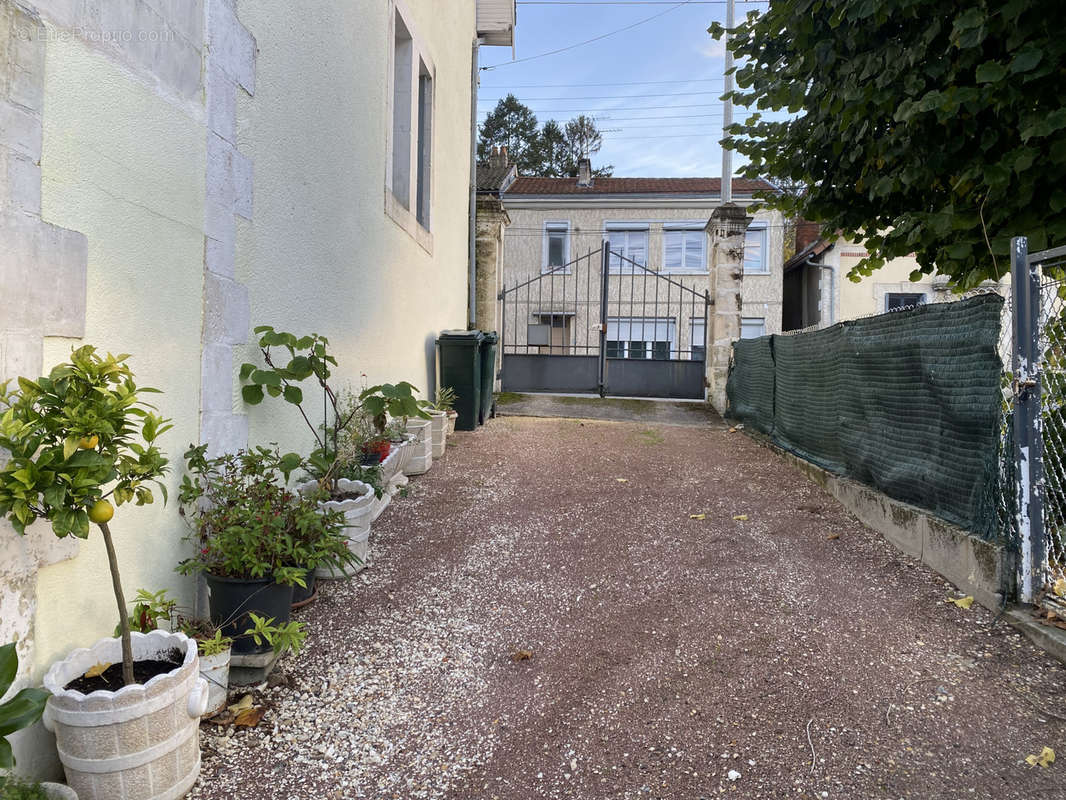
x: 357, y: 517
x: 215, y: 671
x: 136, y: 743
x: 452, y: 417
x: 59, y: 791
x: 438, y: 432
x: 421, y: 445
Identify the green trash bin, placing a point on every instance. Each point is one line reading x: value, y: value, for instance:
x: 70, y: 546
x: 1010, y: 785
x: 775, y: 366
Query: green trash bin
x: 460, y: 368
x: 488, y: 374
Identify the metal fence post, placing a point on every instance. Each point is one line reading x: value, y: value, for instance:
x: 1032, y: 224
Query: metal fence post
x: 605, y: 262
x: 1028, y: 438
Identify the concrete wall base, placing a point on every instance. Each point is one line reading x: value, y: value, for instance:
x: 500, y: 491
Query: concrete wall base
x: 983, y: 569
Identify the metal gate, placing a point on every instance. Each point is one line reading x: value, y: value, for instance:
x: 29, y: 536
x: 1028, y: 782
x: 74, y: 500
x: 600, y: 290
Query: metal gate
x: 605, y: 324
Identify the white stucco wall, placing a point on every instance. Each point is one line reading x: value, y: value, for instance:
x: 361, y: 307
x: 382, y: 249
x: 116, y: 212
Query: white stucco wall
x: 316, y: 130
x: 124, y: 166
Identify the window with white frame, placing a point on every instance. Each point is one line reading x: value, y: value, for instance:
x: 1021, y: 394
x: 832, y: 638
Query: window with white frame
x: 698, y: 343
x: 629, y: 246
x: 410, y: 159
x: 684, y: 248
x: 556, y: 245
x: 755, y: 249
x: 752, y: 327
x: 894, y: 301
x: 641, y: 338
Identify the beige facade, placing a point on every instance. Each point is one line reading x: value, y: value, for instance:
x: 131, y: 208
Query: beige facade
x: 654, y: 307
x: 172, y: 174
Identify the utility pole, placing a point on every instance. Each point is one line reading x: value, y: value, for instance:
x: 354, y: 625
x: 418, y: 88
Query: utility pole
x: 727, y: 109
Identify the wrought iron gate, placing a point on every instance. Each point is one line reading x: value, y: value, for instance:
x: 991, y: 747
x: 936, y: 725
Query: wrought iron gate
x: 605, y: 324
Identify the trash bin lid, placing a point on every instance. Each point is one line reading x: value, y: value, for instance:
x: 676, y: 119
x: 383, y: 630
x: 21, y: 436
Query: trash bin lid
x: 460, y: 337
x: 491, y: 337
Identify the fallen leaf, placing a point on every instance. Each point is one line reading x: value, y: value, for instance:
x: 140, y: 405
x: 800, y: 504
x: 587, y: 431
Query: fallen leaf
x: 622, y: 480
x: 833, y: 536
x: 1060, y: 587
x: 741, y: 517
x: 1045, y: 759
x: 221, y: 718
x: 697, y: 516
x: 98, y: 670
x: 732, y: 430
x: 962, y: 602
x: 250, y: 717
x: 522, y: 655
x: 241, y: 705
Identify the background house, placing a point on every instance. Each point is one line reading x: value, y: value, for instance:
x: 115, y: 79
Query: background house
x: 818, y: 292
x: 657, y: 223
x: 175, y: 173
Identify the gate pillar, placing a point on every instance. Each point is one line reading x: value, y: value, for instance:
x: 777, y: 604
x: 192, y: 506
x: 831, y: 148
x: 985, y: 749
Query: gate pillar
x: 727, y: 227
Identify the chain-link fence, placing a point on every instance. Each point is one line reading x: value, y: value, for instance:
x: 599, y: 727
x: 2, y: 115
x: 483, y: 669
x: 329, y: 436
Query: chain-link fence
x: 1052, y: 377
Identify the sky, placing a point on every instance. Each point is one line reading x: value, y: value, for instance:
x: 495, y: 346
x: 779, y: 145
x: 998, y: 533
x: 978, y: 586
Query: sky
x: 653, y: 89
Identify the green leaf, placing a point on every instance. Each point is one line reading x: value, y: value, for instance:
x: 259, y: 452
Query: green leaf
x: 9, y: 666
x: 990, y: 72
x: 21, y: 711
x: 1026, y: 60
x: 247, y: 370
x: 7, y: 758
x: 294, y: 395
x: 252, y: 394
x: 265, y: 378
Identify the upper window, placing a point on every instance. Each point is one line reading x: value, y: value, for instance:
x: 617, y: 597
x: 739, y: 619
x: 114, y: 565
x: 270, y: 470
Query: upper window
x: 556, y: 245
x: 410, y: 160
x: 755, y: 249
x: 629, y: 248
x: 897, y: 300
x: 683, y: 249
x: 752, y: 327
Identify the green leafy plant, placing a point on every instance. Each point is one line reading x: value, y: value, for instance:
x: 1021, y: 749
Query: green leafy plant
x: 18, y: 789
x: 309, y: 357
x: 445, y: 398
x: 249, y: 525
x: 915, y: 125
x: 22, y: 710
x: 284, y: 637
x: 76, y: 438
x: 149, y: 608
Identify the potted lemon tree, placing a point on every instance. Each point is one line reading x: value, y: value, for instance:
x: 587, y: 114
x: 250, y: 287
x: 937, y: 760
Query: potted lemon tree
x: 81, y: 441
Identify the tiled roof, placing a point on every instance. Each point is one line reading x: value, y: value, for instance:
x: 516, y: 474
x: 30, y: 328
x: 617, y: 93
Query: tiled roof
x: 492, y: 179
x: 603, y: 186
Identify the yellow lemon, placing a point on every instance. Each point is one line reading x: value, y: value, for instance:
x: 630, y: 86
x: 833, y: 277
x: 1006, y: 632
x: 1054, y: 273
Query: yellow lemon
x: 88, y: 442
x: 101, y: 511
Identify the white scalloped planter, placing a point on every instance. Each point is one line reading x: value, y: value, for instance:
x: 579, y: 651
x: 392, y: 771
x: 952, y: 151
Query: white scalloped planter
x: 357, y: 517
x: 421, y: 446
x: 59, y: 791
x: 452, y: 417
x: 406, y: 451
x: 438, y: 432
x: 136, y: 743
x: 215, y: 670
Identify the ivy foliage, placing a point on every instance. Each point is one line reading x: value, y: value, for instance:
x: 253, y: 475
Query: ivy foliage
x: 920, y: 126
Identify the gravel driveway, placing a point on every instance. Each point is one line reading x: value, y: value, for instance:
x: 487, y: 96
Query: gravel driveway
x: 544, y: 619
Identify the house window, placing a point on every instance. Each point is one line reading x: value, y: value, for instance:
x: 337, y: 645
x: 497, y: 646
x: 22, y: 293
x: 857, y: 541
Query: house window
x: 402, y: 66
x: 629, y: 248
x: 752, y: 327
x: 683, y: 249
x: 409, y: 176
x: 640, y: 338
x: 698, y: 343
x: 894, y: 301
x: 556, y: 245
x: 755, y: 249
x: 424, y: 145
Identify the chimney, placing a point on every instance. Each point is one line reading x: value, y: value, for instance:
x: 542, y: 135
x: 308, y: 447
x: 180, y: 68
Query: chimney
x: 806, y: 234
x: 584, y: 172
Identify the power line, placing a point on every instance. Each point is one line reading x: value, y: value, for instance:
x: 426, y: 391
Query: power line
x: 584, y: 85
x: 601, y: 110
x: 598, y: 97
x: 589, y: 41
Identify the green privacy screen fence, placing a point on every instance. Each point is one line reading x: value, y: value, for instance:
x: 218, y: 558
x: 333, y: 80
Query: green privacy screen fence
x: 908, y: 402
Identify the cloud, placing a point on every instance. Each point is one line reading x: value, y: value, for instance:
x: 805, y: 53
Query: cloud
x: 713, y: 49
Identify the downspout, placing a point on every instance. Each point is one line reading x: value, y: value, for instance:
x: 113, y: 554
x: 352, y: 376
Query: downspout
x: 832, y: 286
x: 471, y: 278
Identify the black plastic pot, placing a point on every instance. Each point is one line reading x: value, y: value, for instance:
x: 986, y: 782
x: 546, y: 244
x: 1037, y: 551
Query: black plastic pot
x: 232, y: 600
x: 302, y: 596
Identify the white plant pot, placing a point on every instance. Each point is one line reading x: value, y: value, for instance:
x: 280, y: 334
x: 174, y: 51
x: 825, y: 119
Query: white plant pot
x: 380, y: 504
x: 405, y: 453
x: 59, y: 791
x: 438, y: 432
x: 136, y: 743
x: 390, y: 465
x: 215, y: 670
x: 452, y: 417
x: 358, y: 514
x: 422, y: 446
